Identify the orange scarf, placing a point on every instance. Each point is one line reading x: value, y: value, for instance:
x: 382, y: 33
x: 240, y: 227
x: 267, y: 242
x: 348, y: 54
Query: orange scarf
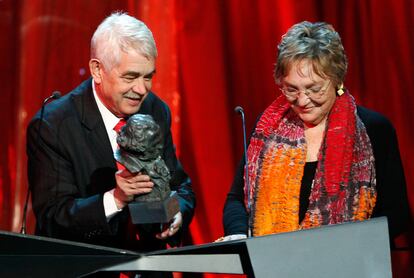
x: 344, y: 184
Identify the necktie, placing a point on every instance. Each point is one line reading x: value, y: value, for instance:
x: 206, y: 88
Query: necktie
x: 117, y: 129
x: 131, y: 231
x: 119, y: 125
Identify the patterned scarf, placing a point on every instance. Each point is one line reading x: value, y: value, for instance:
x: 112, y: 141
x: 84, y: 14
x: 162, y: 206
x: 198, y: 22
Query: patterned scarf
x: 344, y: 184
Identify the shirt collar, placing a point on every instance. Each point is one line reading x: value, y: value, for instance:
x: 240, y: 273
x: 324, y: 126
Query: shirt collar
x: 110, y: 120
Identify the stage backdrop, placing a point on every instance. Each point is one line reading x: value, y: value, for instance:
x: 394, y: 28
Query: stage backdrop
x: 213, y: 56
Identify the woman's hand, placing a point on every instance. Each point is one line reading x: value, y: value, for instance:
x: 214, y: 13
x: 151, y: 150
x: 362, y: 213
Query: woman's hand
x: 231, y: 237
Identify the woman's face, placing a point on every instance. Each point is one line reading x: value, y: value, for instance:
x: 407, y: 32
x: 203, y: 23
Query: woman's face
x: 310, y: 95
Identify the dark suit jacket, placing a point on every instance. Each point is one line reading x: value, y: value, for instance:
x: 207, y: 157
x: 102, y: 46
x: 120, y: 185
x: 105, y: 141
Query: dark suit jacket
x: 71, y: 166
x: 392, y: 198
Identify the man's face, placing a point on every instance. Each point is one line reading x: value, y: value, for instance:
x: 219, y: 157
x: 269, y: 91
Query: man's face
x: 123, y: 88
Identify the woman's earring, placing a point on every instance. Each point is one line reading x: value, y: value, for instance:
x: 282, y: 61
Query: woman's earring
x: 340, y: 90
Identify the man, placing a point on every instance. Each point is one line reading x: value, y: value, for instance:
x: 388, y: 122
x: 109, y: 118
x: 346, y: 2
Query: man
x: 78, y: 192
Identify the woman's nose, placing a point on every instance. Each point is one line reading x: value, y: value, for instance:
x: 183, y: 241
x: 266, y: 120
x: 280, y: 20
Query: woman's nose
x: 302, y: 99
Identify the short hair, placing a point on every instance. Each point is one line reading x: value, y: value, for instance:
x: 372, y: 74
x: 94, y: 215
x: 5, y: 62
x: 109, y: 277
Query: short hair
x: 317, y: 42
x: 121, y: 32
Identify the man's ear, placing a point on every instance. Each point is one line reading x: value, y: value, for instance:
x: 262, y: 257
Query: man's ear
x: 95, y: 67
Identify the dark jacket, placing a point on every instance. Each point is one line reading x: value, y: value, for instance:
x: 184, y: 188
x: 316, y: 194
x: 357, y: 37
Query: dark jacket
x: 71, y: 165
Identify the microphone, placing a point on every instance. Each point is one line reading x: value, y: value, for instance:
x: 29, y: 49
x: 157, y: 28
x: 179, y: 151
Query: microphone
x: 53, y: 96
x: 240, y: 111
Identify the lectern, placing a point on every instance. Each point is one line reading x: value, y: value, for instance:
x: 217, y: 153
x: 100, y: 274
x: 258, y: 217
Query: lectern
x: 359, y: 249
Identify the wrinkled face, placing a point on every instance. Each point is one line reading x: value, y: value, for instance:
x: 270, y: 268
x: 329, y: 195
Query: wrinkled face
x: 313, y: 108
x: 123, y: 88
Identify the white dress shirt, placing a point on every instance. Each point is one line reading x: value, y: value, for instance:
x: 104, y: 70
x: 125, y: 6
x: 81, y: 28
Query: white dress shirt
x: 110, y: 121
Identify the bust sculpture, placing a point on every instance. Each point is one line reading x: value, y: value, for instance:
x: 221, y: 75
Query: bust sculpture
x: 140, y: 149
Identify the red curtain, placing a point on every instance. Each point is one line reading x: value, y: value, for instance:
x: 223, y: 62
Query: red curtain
x: 213, y: 56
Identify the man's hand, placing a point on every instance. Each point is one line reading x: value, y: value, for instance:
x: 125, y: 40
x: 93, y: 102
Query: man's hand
x: 128, y: 185
x: 171, y: 228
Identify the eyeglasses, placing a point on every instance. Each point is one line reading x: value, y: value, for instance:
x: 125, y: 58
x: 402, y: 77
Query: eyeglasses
x: 314, y: 92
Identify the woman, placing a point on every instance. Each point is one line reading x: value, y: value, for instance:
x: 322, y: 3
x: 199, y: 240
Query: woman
x: 315, y: 158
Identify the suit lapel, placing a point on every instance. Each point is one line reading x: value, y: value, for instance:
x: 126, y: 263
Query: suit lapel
x: 93, y: 125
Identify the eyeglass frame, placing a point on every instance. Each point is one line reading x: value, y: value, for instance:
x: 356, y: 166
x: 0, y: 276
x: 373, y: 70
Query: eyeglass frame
x: 307, y: 92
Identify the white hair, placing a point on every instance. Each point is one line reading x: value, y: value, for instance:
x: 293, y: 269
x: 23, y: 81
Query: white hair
x: 121, y: 32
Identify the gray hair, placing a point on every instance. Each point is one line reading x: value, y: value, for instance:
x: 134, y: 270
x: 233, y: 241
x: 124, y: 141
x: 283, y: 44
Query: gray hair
x: 317, y: 42
x: 121, y: 32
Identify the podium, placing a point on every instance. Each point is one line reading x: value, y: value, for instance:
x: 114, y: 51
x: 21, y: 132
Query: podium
x: 359, y: 249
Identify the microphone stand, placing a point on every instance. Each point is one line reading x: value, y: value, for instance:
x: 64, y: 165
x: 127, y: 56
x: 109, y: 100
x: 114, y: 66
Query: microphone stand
x: 239, y: 110
x: 55, y: 95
